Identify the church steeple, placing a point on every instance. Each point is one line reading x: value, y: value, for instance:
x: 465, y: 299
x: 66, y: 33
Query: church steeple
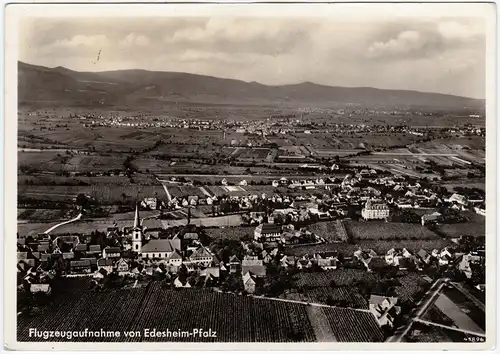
x: 137, y: 231
x: 137, y: 220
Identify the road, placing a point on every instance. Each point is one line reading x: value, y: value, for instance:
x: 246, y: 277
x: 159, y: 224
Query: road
x: 425, y: 302
x: 165, y: 188
x: 450, y: 328
x: 78, y: 217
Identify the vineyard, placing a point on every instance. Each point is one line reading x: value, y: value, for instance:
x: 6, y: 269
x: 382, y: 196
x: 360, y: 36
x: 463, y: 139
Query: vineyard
x: 353, y: 325
x: 388, y: 231
x: 340, y: 287
x: 339, y: 296
x: 234, y: 318
x: 229, y: 233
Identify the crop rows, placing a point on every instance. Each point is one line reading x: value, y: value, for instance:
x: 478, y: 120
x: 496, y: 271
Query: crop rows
x: 341, y: 277
x: 353, y: 325
x: 388, y: 231
x: 342, y: 296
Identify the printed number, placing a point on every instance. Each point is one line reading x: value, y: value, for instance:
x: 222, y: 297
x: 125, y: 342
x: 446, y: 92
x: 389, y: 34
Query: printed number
x: 474, y: 339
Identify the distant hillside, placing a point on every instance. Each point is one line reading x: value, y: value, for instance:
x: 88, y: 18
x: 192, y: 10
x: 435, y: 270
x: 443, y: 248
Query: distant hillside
x: 138, y: 87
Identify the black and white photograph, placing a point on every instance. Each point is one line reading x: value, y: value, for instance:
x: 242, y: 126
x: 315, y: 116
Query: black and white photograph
x: 282, y: 174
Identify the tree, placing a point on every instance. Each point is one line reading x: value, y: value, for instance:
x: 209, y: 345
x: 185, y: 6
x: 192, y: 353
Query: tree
x: 82, y: 200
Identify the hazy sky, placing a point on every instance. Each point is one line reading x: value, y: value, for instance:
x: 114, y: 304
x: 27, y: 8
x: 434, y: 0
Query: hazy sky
x: 444, y: 55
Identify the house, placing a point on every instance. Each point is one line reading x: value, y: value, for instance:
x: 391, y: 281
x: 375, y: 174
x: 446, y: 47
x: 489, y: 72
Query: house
x: 365, y: 256
x: 224, y: 182
x: 213, y: 272
x: 201, y: 256
x: 122, y: 266
x: 175, y: 259
x: 424, y: 256
x: 328, y: 263
x: 458, y: 199
x: 40, y: 288
x: 275, y: 183
x: 193, y: 200
x: 430, y: 218
x: 80, y: 266
x: 384, y: 309
x: 268, y: 233
x: 375, y: 210
x: 105, y: 263
x: 81, y: 247
x: 243, y: 183
x: 160, y: 249
x: 465, y: 267
x: 111, y: 252
x: 253, y: 265
x: 184, y: 283
x: 249, y: 282
x: 234, y: 264
x: 287, y: 261
x: 94, y: 249
x: 100, y: 274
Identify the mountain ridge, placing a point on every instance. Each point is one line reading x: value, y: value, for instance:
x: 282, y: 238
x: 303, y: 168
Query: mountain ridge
x: 138, y: 86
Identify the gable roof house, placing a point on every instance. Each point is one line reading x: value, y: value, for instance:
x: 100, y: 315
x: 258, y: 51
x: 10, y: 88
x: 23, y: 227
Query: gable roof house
x: 384, y: 309
x: 253, y: 265
x: 201, y: 256
x: 111, y: 252
x: 249, y: 282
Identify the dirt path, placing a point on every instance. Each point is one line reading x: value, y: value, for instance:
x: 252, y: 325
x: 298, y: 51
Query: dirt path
x: 320, y: 324
x: 64, y: 223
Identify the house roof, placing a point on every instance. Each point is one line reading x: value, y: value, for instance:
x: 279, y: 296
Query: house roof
x: 94, y: 248
x: 81, y: 247
x: 248, y: 277
x: 234, y: 259
x: 201, y: 252
x: 191, y: 236
x: 110, y: 249
x: 80, y: 263
x: 257, y: 270
x: 270, y: 228
x: 175, y: 255
x: 161, y: 245
x: 379, y: 299
x: 102, y: 262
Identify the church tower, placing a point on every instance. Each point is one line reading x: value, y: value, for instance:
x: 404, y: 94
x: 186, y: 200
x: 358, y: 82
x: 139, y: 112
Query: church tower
x: 137, y: 232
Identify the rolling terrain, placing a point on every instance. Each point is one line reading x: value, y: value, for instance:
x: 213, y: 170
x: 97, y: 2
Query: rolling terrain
x: 42, y: 85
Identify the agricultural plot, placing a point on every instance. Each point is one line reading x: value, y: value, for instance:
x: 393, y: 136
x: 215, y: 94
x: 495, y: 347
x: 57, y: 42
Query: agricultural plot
x: 379, y: 230
x: 456, y: 230
x: 33, y: 228
x: 52, y: 161
x: 95, y: 163
x: 42, y: 214
x: 253, y: 153
x: 339, y: 296
x: 341, y: 277
x: 353, y: 325
x: 220, y: 221
x: 234, y: 318
x: 229, y: 233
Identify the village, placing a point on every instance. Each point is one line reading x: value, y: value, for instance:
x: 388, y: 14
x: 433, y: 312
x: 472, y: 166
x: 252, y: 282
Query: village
x: 258, y: 263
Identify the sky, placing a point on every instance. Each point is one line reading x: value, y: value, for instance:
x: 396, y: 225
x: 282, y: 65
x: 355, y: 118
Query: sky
x: 435, y: 54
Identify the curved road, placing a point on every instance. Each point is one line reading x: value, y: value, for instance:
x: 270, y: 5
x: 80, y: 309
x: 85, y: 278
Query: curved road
x: 78, y: 217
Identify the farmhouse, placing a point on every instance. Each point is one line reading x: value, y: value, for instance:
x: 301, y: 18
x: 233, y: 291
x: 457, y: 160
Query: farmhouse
x: 375, y: 210
x: 268, y: 233
x: 201, y: 256
x: 111, y: 252
x: 430, y: 218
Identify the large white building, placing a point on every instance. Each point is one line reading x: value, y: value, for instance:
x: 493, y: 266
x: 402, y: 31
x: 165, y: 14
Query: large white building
x: 375, y: 210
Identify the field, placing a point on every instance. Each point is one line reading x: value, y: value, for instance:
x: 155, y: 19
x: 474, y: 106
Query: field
x: 340, y: 285
x: 353, y: 326
x: 43, y: 214
x: 379, y: 230
x: 103, y: 193
x: 234, y: 318
x: 94, y: 163
x: 229, y: 233
x: 252, y: 154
